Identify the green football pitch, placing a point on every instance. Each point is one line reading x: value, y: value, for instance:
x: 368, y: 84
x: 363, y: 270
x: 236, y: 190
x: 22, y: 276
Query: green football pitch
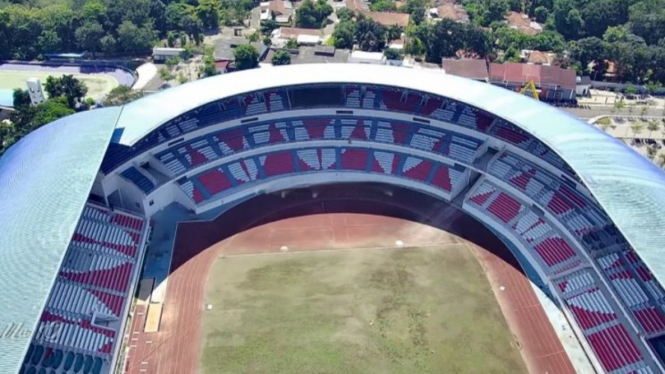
x: 397, y: 311
x: 98, y: 84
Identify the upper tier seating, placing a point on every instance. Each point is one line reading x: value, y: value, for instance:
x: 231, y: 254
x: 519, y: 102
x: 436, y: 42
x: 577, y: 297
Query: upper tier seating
x: 354, y: 159
x: 314, y: 128
x: 401, y: 101
x: 185, y: 156
x: 140, y: 180
x: 253, y: 104
x: 244, y: 171
x: 446, y: 177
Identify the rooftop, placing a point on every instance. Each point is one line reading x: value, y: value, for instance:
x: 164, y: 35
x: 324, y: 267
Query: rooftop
x: 453, y: 11
x: 224, y: 48
x: 511, y: 72
x: 295, y: 32
x: 389, y: 18
x: 523, y: 23
x: 320, y: 55
x: 472, y: 69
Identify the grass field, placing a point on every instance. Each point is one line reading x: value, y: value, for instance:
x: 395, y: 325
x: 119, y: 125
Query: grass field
x: 425, y: 310
x: 98, y: 84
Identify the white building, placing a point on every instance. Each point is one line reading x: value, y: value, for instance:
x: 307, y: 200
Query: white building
x: 36, y: 91
x: 372, y: 58
x: 162, y: 54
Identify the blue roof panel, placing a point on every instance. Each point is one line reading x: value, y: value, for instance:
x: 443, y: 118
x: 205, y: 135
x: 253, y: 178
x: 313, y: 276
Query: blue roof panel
x: 45, y: 180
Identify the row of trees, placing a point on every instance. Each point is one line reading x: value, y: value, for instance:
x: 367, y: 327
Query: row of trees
x: 110, y: 26
x: 65, y: 96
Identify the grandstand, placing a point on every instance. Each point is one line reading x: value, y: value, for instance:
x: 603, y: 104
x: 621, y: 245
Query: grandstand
x: 582, y: 208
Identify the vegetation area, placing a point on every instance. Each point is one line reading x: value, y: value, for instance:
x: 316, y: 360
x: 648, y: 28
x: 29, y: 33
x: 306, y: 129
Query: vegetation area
x: 630, y: 33
x: 66, y: 95
x: 31, y: 28
x: 427, y: 310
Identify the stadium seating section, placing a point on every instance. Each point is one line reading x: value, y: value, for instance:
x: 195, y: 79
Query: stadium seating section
x: 538, y: 204
x: 212, y: 183
x: 81, y: 323
x: 366, y: 97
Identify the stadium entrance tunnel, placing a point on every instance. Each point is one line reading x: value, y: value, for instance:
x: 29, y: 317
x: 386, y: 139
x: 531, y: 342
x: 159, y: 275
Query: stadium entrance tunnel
x: 372, y: 199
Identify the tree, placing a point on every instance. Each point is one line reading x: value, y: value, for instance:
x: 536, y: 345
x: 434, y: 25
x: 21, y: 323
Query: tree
x: 134, y: 39
x: 636, y: 127
x: 164, y: 74
x: 208, y: 69
x: 661, y: 160
x: 313, y: 15
x: 49, y: 41
x: 345, y: 14
x: 291, y: 44
x: 619, y: 105
x: 181, y: 78
x: 89, y: 35
x: 615, y: 34
x: 208, y: 12
x: 21, y: 98
x: 66, y: 86
x: 383, y: 6
x: 246, y: 57
x: 172, y: 61
x: 392, y: 54
x: 653, y: 125
x: 647, y: 19
x: 587, y: 50
x: 567, y: 19
x: 643, y: 110
x: 121, y: 95
x: 281, y: 58
x: 651, y: 152
x: 371, y: 36
x: 631, y: 108
x: 108, y: 44
x: 541, y: 14
x: 343, y: 35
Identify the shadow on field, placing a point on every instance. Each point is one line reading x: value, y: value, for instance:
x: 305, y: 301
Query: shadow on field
x: 366, y: 198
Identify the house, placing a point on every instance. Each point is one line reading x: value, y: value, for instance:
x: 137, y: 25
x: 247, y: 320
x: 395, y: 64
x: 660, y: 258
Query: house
x: 453, y: 11
x: 224, y: 49
x: 163, y: 54
x: 583, y: 86
x: 319, y: 55
x: 279, y: 10
x: 388, y: 18
x: 372, y: 58
x: 282, y: 35
x: 467, y: 68
x: 553, y: 83
x: 523, y: 23
x: 537, y: 58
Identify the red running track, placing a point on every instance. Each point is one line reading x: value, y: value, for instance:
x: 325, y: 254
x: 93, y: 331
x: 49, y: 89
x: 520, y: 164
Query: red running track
x: 175, y: 349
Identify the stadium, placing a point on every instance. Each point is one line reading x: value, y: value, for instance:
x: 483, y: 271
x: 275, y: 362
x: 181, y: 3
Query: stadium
x: 83, y: 200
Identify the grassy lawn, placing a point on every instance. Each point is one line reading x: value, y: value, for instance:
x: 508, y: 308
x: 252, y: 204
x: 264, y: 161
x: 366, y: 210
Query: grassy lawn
x: 98, y: 84
x: 408, y: 311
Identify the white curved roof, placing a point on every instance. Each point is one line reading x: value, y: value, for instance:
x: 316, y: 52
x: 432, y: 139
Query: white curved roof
x: 45, y: 180
x: 628, y: 186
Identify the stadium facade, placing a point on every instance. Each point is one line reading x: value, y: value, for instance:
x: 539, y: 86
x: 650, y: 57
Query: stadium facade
x: 583, y: 208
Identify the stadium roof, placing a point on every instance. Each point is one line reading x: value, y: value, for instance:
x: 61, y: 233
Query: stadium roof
x: 629, y: 187
x: 63, y: 158
x: 45, y: 180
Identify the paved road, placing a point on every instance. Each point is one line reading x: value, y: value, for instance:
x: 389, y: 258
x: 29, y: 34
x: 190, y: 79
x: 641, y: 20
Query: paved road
x: 599, y: 111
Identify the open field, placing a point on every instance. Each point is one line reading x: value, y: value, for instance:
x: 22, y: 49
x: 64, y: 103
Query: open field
x: 98, y: 84
x: 416, y: 310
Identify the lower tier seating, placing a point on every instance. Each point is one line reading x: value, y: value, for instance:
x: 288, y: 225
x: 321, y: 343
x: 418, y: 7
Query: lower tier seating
x: 550, y: 249
x: 222, y: 178
x: 607, y: 335
x: 82, y: 320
